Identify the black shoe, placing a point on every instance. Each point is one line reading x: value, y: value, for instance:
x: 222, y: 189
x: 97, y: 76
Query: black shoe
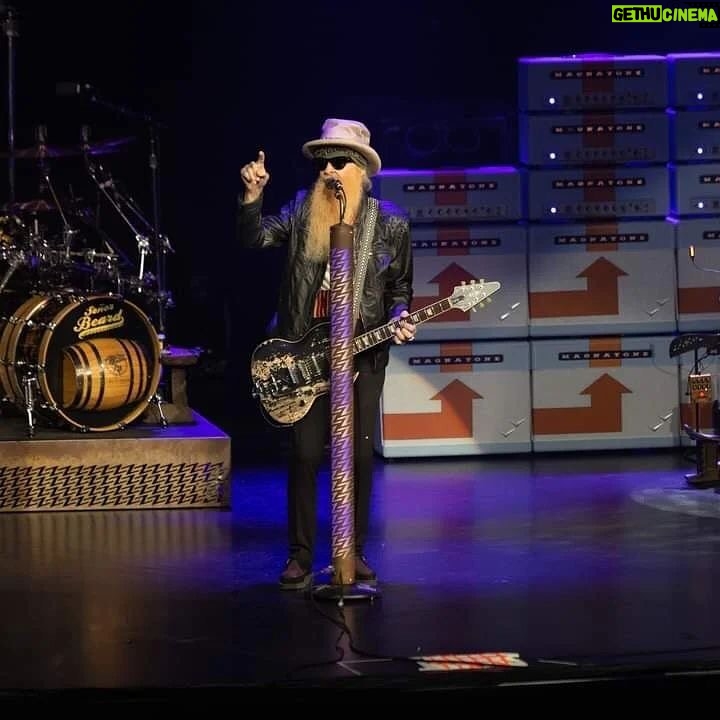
x: 363, y: 572
x: 294, y: 576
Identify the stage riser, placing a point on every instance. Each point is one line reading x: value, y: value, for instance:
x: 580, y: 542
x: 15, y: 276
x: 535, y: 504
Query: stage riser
x: 163, y: 469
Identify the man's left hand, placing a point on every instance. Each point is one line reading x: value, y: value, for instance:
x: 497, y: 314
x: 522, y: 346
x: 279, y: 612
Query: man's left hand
x: 405, y: 330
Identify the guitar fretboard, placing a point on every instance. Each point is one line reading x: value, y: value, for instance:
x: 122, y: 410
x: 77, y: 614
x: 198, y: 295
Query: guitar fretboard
x: 381, y: 334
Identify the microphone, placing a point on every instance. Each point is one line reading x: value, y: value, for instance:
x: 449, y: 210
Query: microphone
x: 336, y: 186
x: 333, y: 184
x: 71, y: 89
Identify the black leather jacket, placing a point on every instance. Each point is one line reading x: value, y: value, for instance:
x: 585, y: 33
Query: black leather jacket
x: 388, y: 281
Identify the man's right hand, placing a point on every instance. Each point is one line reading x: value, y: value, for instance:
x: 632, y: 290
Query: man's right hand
x: 255, y: 177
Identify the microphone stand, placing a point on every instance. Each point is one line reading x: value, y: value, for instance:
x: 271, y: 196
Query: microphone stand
x: 11, y: 32
x: 343, y: 585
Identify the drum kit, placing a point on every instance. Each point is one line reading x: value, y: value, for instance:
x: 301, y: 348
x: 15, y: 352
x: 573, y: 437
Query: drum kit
x: 81, y: 321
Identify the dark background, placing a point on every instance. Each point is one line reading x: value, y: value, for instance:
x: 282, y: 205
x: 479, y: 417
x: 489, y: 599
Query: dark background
x: 434, y: 81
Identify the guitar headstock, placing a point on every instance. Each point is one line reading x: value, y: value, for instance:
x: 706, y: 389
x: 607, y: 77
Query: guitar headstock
x: 468, y: 295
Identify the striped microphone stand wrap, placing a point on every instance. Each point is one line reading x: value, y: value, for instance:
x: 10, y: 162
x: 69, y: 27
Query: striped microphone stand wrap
x: 341, y: 404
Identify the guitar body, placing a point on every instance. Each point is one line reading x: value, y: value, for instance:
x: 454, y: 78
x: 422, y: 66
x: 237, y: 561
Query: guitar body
x: 289, y: 375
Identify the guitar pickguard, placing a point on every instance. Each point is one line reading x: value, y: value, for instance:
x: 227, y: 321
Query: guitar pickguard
x: 289, y: 408
x: 287, y: 376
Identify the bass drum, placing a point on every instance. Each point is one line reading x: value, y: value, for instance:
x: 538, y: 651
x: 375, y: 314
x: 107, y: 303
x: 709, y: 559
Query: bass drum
x: 93, y: 362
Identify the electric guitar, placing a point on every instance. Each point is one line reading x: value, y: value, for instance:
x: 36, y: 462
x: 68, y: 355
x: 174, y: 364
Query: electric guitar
x: 288, y: 375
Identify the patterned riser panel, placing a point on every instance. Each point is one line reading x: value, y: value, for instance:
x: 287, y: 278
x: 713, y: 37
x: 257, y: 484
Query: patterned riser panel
x: 146, y: 468
x: 112, y: 486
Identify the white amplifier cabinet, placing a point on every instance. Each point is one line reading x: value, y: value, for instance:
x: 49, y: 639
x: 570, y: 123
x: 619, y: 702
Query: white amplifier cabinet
x: 557, y: 194
x: 695, y: 135
x: 592, y: 82
x: 481, y: 194
x: 694, y: 79
x: 594, y: 138
x: 604, y: 393
x: 459, y: 398
x: 602, y: 278
x: 695, y: 188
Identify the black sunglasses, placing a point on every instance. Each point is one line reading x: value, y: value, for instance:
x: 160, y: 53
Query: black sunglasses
x: 337, y: 162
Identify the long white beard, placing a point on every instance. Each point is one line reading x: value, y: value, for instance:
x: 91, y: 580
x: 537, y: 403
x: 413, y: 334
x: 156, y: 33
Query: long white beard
x: 324, y: 212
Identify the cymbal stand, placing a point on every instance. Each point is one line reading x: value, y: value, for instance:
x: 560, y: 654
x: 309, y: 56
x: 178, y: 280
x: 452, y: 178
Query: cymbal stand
x: 114, y: 197
x: 161, y: 244
x: 68, y: 232
x: 10, y: 30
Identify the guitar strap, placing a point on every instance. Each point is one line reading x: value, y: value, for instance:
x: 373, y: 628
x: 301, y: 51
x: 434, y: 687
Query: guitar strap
x: 362, y: 255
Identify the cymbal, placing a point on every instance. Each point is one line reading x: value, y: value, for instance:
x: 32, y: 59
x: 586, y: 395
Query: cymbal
x: 104, y: 147
x: 29, y: 206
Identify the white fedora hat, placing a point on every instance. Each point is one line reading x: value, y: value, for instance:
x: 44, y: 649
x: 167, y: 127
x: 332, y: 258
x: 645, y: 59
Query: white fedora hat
x: 345, y: 134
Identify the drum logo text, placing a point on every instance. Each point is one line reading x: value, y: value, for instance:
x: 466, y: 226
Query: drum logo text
x: 97, y: 319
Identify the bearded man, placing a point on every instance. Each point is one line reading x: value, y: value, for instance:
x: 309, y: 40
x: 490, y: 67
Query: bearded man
x: 342, y: 154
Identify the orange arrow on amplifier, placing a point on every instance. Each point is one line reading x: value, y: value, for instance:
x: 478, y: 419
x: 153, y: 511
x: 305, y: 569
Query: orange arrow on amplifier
x: 600, y: 298
x: 603, y: 415
x: 699, y: 300
x: 447, y: 280
x: 453, y: 421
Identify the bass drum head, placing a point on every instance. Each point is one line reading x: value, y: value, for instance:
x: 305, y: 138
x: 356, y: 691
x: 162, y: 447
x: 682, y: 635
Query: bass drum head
x: 99, y: 361
x: 107, y: 347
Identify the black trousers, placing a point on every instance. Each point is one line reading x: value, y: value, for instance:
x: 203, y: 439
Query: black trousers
x: 310, y: 436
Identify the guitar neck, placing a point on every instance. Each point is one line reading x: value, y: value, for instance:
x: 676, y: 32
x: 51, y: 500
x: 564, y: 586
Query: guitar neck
x: 385, y: 332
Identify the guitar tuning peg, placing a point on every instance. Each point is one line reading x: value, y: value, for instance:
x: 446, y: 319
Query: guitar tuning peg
x: 462, y: 282
x: 474, y: 307
x: 473, y: 281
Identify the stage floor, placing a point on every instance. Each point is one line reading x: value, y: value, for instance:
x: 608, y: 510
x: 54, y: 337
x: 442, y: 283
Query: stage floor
x: 576, y: 566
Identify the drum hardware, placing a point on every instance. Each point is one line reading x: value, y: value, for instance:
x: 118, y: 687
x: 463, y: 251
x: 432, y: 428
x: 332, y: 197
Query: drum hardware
x: 161, y: 245
x: 16, y: 258
x: 125, y: 206
x: 73, y: 356
x: 68, y: 232
x: 144, y: 248
x: 159, y: 401
x: 29, y: 388
x: 107, y: 187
